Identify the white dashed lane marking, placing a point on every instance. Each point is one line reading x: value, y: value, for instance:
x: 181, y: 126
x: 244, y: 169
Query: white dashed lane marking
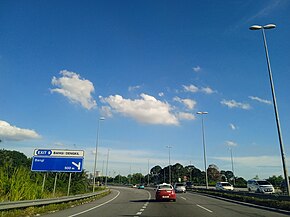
x: 204, y: 208
x: 144, y: 206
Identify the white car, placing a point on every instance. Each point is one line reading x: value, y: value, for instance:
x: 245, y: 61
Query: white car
x: 179, y: 187
x: 224, y: 186
x: 260, y: 186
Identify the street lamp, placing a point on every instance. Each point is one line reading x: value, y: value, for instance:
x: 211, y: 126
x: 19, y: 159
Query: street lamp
x: 148, y: 178
x: 169, y: 168
x: 96, y: 152
x: 232, y: 160
x: 204, y: 149
x: 272, y: 26
x: 106, y: 179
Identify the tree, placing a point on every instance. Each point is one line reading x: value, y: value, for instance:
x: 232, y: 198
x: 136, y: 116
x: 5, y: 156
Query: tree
x: 240, y: 182
x: 275, y: 180
x: 213, y: 173
x: 156, y: 174
x: 14, y: 159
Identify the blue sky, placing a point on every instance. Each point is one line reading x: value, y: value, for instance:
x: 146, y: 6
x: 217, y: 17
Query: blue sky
x: 147, y: 67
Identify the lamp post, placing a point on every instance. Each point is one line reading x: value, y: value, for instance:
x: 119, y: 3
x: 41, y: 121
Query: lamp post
x: 204, y: 149
x: 272, y: 26
x: 106, y: 179
x: 148, y: 178
x: 169, y: 167
x: 232, y: 160
x: 96, y: 152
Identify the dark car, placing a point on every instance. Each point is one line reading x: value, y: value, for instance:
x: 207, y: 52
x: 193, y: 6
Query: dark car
x: 189, y: 185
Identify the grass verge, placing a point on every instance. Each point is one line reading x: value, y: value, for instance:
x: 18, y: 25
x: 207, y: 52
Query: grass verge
x: 37, y: 210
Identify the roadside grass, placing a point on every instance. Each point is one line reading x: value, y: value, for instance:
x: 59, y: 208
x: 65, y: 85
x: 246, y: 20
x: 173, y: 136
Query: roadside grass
x: 277, y: 204
x: 37, y: 210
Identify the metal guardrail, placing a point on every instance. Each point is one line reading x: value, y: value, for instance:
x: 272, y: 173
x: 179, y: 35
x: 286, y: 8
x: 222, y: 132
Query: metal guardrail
x: 42, y: 202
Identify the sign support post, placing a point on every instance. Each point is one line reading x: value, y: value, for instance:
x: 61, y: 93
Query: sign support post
x: 42, y: 189
x: 69, y: 181
x: 54, y: 187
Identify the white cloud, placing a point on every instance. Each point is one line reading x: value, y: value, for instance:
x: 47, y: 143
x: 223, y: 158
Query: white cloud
x: 161, y: 94
x: 12, y: 133
x: 232, y: 126
x: 132, y: 88
x: 207, y: 90
x: 194, y: 89
x: 106, y: 111
x: 234, y: 104
x: 186, y: 116
x: 145, y: 110
x: 231, y: 144
x: 191, y: 88
x: 189, y: 103
x: 260, y: 100
x: 196, y: 68
x: 75, y: 88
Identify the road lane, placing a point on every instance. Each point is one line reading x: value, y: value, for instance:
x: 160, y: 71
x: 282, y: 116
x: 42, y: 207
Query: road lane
x: 121, y: 202
x: 192, y: 204
x: 141, y: 203
x: 228, y: 209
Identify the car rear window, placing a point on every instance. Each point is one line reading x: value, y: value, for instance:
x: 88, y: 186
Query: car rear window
x: 165, y: 187
x: 263, y: 183
x: 226, y: 184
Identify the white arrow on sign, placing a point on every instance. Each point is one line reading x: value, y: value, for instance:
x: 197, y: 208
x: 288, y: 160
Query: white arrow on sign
x: 77, y: 165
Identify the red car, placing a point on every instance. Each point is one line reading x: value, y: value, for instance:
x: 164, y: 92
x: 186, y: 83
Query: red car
x: 165, y: 192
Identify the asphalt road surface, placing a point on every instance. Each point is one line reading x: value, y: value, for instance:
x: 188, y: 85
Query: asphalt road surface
x: 139, y: 202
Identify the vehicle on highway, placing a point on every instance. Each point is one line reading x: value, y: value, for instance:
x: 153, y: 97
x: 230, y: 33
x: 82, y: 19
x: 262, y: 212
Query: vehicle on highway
x: 224, y: 186
x: 179, y: 188
x: 165, y: 192
x: 134, y: 186
x: 260, y: 186
x: 141, y: 186
x: 189, y: 185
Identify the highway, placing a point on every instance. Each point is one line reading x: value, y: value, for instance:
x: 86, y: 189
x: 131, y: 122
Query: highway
x: 138, y: 202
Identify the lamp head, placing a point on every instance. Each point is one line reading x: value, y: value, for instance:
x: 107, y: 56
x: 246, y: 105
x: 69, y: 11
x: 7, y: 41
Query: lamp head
x: 201, y: 113
x: 256, y: 27
x: 269, y: 26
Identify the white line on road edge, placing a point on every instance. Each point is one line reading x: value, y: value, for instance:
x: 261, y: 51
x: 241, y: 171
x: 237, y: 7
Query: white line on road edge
x: 95, y: 206
x: 144, y: 206
x: 204, y: 208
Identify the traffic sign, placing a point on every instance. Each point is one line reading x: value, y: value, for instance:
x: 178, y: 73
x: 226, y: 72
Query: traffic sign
x: 56, y: 164
x: 58, y: 153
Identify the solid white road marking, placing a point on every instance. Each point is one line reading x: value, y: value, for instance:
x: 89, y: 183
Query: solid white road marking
x: 95, y: 206
x: 204, y: 208
x: 138, y: 213
x: 183, y: 198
